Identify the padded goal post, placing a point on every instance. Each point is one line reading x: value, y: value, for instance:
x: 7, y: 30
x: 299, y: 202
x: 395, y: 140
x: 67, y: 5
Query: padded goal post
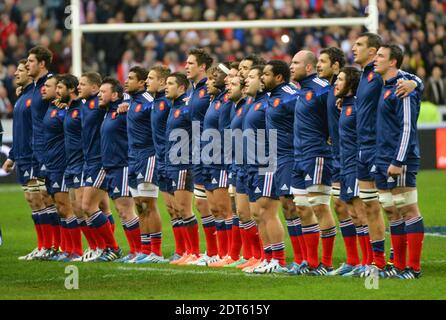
x: 370, y: 22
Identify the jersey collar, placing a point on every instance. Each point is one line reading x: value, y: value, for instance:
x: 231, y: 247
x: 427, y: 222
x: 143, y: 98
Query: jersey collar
x: 178, y: 102
x: 305, y: 82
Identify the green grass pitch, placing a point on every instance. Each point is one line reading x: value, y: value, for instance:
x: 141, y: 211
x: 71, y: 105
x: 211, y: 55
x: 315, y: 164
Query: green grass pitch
x: 45, y: 280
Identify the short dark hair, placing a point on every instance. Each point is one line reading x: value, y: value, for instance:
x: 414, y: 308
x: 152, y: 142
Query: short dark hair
x: 234, y: 65
x: 259, y: 68
x: 93, y: 77
x: 141, y: 73
x: 116, y: 86
x: 181, y: 79
x: 396, y: 53
x: 373, y: 40
x: 162, y: 72
x: 21, y: 61
x: 280, y: 67
x: 42, y: 54
x: 69, y: 80
x: 255, y: 58
x: 202, y: 57
x: 335, y: 55
x: 352, y: 77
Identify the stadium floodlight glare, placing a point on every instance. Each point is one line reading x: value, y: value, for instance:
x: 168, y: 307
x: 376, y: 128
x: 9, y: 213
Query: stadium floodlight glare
x: 370, y: 22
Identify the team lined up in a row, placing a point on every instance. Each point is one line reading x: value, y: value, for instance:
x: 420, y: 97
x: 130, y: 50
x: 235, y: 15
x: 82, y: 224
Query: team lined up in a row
x: 326, y: 137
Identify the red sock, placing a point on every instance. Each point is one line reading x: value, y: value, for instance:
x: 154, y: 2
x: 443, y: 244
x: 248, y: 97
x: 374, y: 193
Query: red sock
x: 363, y: 245
x: 68, y: 241
x: 192, y: 232
x: 156, y: 239
x: 303, y: 247
x: 63, y: 241
x: 236, y: 243
x: 399, y: 244
x: 222, y: 239
x: 246, y: 246
x: 76, y: 240
x: 296, y: 249
x: 351, y: 249
x: 254, y: 240
x: 187, y: 243
x: 369, y: 249
x: 180, y: 241
x: 279, y: 253
x: 90, y: 238
x: 56, y: 236
x: 211, y: 240
x: 47, y: 231
x: 135, y: 234
x: 414, y: 247
x: 100, y: 241
x: 311, y: 234
x: 267, y: 253
x: 129, y: 240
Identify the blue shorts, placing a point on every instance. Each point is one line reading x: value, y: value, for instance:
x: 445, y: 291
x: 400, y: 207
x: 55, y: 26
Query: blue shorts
x: 366, y: 168
x: 336, y: 171
x: 55, y: 182
x: 164, y: 182
x: 143, y: 170
x: 181, y: 180
x: 94, y: 176
x: 74, y: 177
x: 117, y: 182
x: 241, y: 181
x: 312, y: 172
x: 26, y: 172
x: 232, y: 175
x: 349, y: 187
x: 283, y: 178
x: 215, y: 178
x: 261, y: 185
x: 384, y: 182
x: 198, y: 174
x: 39, y: 163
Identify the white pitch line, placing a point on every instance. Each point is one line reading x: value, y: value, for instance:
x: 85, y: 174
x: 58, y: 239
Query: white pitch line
x: 182, y: 271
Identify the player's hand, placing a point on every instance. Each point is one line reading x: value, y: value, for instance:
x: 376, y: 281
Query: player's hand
x: 186, y: 100
x: 8, y: 165
x: 339, y: 103
x: 394, y: 171
x: 59, y: 104
x: 405, y: 87
x: 123, y: 108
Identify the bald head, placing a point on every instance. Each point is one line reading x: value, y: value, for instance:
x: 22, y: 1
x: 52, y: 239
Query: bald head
x: 303, y: 64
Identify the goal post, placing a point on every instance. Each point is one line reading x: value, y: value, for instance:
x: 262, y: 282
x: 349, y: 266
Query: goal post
x: 370, y: 22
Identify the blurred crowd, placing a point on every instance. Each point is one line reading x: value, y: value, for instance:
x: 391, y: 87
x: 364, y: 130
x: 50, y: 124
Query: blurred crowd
x: 417, y: 25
